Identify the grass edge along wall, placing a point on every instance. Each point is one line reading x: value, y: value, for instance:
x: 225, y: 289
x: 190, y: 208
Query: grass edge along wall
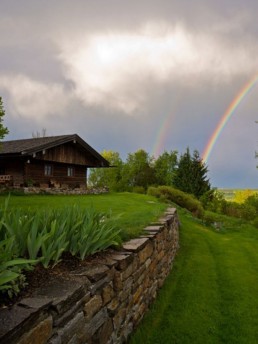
x: 104, y: 301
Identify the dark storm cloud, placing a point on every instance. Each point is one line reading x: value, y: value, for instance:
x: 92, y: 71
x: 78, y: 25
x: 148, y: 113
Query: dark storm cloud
x: 118, y: 69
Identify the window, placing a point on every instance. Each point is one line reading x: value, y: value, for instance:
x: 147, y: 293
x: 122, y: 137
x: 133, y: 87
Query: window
x: 70, y: 171
x: 48, y: 171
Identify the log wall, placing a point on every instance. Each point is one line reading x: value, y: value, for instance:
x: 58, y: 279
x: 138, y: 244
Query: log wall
x: 29, y: 172
x: 69, y: 153
x: 34, y: 172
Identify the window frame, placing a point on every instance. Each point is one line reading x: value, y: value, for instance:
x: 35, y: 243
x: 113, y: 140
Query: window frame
x: 70, y: 171
x: 48, y: 170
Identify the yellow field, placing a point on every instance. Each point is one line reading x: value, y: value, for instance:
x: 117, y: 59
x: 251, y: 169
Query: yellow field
x: 238, y: 195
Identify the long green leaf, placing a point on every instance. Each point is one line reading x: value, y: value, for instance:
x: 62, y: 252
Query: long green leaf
x: 7, y: 276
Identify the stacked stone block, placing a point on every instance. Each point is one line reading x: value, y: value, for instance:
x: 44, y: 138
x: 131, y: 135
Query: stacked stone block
x: 102, y: 302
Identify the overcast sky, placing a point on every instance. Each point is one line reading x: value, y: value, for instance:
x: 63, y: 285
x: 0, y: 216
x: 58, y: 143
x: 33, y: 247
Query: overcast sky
x: 125, y: 75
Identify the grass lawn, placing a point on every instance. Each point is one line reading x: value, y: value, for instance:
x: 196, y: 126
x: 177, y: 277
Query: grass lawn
x: 134, y: 211
x: 211, y: 296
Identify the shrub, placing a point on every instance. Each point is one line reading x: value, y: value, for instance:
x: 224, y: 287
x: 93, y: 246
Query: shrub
x: 255, y: 222
x: 253, y: 200
x: 232, y: 209
x: 245, y: 211
x: 213, y: 200
x: 153, y: 191
x: 139, y: 189
x: 212, y: 219
x: 181, y: 198
x: 248, y: 212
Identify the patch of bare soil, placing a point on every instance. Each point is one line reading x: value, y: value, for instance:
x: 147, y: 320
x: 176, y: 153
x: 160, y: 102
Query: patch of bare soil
x: 40, y: 275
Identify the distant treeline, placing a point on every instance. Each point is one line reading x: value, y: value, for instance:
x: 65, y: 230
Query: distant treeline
x: 186, y: 172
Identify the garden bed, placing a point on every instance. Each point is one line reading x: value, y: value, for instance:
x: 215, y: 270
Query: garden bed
x: 99, y: 300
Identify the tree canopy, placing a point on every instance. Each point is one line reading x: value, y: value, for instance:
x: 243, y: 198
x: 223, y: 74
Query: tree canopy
x: 3, y: 130
x: 108, y: 177
x: 191, y: 174
x: 164, y: 167
x: 140, y: 170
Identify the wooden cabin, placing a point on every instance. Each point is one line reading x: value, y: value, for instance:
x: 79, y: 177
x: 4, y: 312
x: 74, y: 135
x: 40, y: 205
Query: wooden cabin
x: 56, y: 161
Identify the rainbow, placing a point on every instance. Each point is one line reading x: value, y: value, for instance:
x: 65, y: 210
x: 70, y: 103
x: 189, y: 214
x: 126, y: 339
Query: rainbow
x: 164, y: 128
x: 226, y: 116
x: 159, y: 143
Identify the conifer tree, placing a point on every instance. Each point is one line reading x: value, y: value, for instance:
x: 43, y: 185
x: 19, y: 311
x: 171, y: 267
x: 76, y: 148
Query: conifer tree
x: 191, y: 174
x: 201, y: 183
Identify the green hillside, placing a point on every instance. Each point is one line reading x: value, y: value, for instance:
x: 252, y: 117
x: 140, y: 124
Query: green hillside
x: 211, y: 295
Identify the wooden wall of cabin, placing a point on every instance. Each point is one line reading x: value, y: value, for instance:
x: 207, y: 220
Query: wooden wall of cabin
x: 35, y: 175
x: 14, y: 168
x: 69, y: 153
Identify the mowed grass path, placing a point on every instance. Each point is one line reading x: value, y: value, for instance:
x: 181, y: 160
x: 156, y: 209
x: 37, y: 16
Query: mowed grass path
x: 211, y: 295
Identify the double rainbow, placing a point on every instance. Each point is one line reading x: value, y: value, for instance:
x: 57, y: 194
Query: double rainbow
x: 165, y: 124
x: 227, y: 115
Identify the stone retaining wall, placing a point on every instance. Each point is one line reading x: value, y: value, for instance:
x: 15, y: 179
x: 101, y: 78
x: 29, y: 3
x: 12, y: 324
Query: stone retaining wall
x: 102, y: 302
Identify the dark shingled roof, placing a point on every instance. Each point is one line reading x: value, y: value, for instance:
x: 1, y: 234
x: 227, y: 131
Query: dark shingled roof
x: 20, y: 146
x: 34, y: 145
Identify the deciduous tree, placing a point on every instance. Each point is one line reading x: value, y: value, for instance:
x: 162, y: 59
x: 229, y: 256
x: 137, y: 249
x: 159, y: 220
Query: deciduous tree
x: 3, y: 130
x: 165, y: 166
x: 139, y: 169
x: 108, y: 177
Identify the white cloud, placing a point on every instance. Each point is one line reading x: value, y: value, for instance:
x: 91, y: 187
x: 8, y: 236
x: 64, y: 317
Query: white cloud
x: 34, y: 99
x: 112, y: 69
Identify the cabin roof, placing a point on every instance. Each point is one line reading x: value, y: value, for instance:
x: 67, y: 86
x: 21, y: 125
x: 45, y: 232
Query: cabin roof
x: 31, y: 146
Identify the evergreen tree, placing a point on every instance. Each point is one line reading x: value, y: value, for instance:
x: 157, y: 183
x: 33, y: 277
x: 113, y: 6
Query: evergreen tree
x: 191, y: 174
x: 200, y: 182
x: 182, y: 177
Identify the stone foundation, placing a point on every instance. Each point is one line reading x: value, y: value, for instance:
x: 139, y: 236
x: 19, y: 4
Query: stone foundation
x: 99, y: 303
x: 54, y: 191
